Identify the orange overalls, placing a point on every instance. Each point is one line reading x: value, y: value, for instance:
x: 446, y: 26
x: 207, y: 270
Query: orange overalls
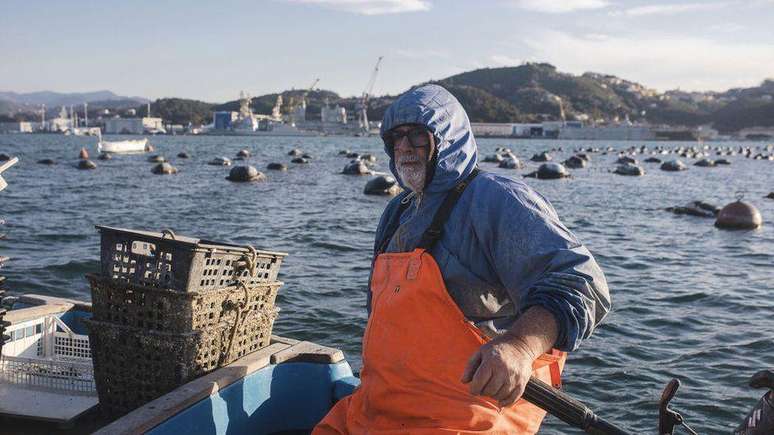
x: 416, y: 345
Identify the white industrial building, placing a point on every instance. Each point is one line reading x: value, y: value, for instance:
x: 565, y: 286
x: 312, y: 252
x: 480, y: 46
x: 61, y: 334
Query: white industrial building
x: 134, y: 125
x: 333, y: 115
x: 614, y: 132
x: 493, y: 129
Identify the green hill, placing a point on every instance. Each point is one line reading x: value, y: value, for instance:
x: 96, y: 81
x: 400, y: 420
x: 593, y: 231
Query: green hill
x: 530, y: 92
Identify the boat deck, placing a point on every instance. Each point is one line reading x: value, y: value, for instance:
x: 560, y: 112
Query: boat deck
x: 56, y: 407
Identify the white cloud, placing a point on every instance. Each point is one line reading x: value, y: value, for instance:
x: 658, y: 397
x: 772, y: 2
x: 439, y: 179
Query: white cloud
x: 559, y: 6
x: 660, y: 62
x: 371, y: 7
x: 670, y: 9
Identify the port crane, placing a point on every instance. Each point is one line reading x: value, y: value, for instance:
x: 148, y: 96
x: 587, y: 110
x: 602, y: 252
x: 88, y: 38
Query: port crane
x: 363, y: 106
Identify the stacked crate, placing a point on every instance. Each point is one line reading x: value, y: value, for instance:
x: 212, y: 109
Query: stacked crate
x: 167, y: 309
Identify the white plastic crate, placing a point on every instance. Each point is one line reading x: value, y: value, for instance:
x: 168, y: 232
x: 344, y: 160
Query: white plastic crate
x: 46, y: 353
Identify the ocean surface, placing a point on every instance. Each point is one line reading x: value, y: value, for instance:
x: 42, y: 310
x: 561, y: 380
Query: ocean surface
x: 689, y: 301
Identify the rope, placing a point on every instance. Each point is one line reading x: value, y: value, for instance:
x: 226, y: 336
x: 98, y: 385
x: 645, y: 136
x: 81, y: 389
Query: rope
x: 237, y: 321
x: 251, y: 262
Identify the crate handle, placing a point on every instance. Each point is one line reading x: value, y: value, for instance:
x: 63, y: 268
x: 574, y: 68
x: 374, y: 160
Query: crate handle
x: 169, y: 233
x: 250, y: 262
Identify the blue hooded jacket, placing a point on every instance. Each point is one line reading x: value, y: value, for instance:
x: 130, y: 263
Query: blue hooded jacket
x: 503, y: 248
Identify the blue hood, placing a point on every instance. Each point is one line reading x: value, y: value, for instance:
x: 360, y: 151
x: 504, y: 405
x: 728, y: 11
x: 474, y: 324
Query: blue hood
x: 503, y: 248
x: 438, y: 110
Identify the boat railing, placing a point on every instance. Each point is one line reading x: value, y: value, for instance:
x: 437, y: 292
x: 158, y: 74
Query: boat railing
x: 74, y: 377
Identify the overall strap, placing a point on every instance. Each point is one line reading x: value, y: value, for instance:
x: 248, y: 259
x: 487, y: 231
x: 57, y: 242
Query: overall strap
x: 392, y: 226
x: 433, y: 232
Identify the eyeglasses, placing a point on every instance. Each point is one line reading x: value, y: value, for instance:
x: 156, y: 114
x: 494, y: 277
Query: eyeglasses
x: 418, y: 137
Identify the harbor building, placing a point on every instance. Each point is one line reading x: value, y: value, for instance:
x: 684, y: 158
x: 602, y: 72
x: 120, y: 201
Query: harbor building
x: 492, y: 129
x: 224, y: 120
x: 61, y: 123
x: 612, y: 132
x: 570, y: 130
x: 496, y: 129
x: 333, y: 115
x: 16, y: 127
x: 134, y: 125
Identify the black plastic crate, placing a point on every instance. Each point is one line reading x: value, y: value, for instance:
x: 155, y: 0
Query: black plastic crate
x: 133, y: 366
x: 175, y: 311
x: 168, y: 261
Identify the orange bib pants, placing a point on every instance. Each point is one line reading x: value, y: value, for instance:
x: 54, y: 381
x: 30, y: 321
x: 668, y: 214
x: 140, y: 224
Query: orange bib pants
x: 415, y: 349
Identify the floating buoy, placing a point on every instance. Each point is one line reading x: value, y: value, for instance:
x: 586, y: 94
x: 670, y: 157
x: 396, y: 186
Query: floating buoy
x: 549, y: 171
x: 356, y: 167
x: 244, y: 153
x: 4, y: 157
x: 344, y: 152
x: 739, y: 216
x: 244, y: 174
x: 626, y: 159
x: 149, y: 148
x: 353, y: 155
x: 277, y: 167
x: 705, y: 163
x: 575, y: 162
x: 673, y: 165
x: 220, y: 161
x: 164, y: 169
x: 696, y: 208
x: 770, y: 195
x: 722, y: 162
x: 368, y: 158
x: 104, y: 156
x: 382, y: 185
x: 157, y: 159
x: 183, y: 155
x: 300, y: 160
x: 629, y: 170
x: 541, y: 157
x: 652, y: 160
x: 493, y: 158
x: 86, y: 164
x: 511, y: 163
x: 47, y: 162
x: 83, y: 155
x: 295, y: 152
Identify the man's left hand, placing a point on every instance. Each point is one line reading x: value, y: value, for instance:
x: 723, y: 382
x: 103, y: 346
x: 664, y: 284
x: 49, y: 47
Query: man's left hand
x: 500, y: 369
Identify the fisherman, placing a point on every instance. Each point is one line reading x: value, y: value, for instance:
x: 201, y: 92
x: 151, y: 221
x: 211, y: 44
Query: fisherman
x: 475, y: 286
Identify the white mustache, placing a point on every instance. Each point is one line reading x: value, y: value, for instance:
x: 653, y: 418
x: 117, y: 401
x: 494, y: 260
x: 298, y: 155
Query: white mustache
x: 408, y: 159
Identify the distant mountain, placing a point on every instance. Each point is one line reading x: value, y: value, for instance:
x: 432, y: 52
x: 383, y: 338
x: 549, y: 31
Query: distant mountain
x: 530, y: 92
x: 538, y: 91
x: 64, y: 99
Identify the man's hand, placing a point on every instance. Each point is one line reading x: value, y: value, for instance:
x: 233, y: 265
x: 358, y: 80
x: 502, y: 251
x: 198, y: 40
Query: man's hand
x: 500, y: 369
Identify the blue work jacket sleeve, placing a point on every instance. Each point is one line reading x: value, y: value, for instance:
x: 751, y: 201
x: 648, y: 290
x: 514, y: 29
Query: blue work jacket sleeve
x: 539, y: 262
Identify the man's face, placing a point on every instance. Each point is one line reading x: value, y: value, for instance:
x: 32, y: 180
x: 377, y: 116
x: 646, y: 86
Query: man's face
x: 411, y: 146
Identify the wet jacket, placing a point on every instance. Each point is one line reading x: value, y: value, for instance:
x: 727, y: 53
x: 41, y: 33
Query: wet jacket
x: 503, y: 248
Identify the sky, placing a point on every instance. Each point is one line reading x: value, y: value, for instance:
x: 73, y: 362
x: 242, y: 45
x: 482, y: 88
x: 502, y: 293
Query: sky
x: 212, y: 50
